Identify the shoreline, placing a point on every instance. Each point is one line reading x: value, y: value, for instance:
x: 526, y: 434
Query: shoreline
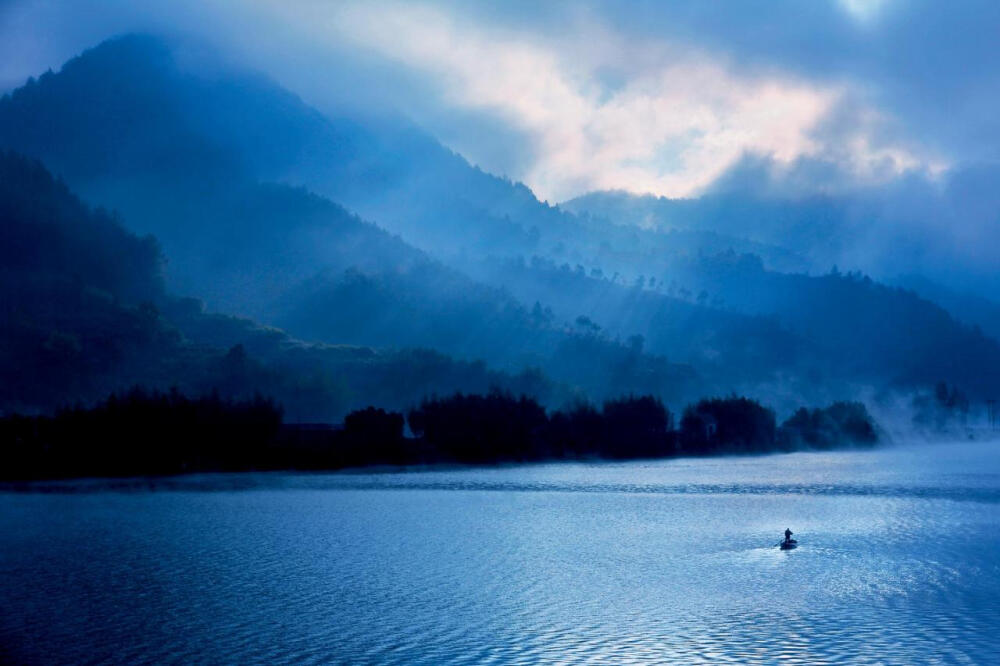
x: 237, y: 480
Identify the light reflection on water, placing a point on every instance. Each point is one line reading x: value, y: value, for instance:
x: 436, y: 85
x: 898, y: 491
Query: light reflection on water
x: 660, y: 562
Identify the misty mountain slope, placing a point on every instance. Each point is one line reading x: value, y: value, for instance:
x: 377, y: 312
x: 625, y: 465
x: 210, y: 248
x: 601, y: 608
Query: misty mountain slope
x: 729, y: 345
x: 45, y: 225
x: 292, y: 258
x: 278, y: 253
x: 125, y: 112
x: 821, y: 229
x: 964, y: 306
x: 870, y: 331
x: 944, y: 230
x: 473, y: 321
x: 620, y: 212
x: 178, y: 153
x: 139, y: 147
x: 188, y: 175
x: 251, y: 243
x: 873, y: 330
x: 76, y: 295
x: 736, y: 321
x: 145, y: 118
x: 83, y: 312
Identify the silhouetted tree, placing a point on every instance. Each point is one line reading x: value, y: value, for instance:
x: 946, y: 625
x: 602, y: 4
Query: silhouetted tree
x: 149, y: 432
x: 141, y: 432
x: 476, y: 428
x: 577, y: 432
x: 373, y: 435
x: 736, y: 424
x: 637, y: 427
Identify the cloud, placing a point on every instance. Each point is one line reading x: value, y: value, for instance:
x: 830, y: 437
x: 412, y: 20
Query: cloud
x: 600, y: 109
x: 571, y: 96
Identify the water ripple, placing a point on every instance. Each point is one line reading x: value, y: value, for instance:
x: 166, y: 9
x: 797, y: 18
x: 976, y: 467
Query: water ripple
x: 291, y: 481
x: 631, y: 564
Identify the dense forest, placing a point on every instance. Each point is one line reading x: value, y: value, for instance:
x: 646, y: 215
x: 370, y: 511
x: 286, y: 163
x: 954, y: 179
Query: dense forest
x: 141, y: 433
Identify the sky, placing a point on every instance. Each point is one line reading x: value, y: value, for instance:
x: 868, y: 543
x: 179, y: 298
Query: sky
x: 673, y: 99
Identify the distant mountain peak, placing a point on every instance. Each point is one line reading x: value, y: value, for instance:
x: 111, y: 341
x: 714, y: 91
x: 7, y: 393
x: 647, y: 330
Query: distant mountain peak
x: 140, y: 50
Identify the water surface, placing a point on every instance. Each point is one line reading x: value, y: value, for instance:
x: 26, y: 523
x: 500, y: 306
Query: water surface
x: 645, y: 562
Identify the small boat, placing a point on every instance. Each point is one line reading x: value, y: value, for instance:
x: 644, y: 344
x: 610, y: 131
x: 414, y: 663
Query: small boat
x: 788, y: 545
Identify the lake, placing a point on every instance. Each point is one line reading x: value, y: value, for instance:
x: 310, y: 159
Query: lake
x: 604, y: 563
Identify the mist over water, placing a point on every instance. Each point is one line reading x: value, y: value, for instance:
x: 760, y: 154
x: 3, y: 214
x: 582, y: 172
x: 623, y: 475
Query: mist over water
x: 645, y: 562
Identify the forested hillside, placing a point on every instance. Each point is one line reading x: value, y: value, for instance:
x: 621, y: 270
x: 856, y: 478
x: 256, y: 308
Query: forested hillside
x: 83, y: 313
x: 216, y: 163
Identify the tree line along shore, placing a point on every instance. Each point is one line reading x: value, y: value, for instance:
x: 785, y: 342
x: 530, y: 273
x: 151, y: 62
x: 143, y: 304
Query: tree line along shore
x: 158, y: 433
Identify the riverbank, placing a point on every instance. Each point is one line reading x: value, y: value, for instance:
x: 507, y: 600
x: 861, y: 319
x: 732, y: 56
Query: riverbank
x: 142, y: 433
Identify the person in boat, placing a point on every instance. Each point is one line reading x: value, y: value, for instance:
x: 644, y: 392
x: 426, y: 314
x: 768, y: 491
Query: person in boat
x: 788, y: 535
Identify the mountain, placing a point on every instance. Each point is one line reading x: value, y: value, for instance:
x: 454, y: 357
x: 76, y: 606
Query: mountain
x: 84, y: 312
x: 126, y: 111
x: 72, y: 281
x: 237, y: 177
x: 123, y: 118
x: 120, y: 125
x: 963, y: 305
x: 875, y: 333
x: 942, y: 229
x: 812, y: 229
x: 866, y: 330
x: 181, y: 156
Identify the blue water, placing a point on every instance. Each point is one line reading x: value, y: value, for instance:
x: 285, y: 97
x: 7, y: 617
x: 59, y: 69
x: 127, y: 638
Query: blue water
x: 650, y: 562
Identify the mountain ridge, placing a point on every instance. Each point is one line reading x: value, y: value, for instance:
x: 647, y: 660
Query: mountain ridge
x: 236, y: 218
